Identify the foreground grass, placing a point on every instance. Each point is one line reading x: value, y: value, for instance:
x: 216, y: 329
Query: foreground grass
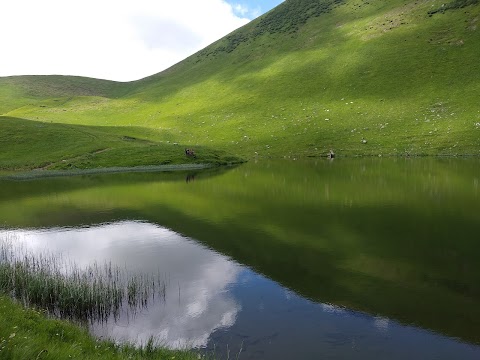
x: 29, y: 334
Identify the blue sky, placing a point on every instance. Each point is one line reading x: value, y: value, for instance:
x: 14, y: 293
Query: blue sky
x: 119, y: 40
x: 252, y: 8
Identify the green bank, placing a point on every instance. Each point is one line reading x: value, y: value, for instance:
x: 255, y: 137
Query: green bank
x: 29, y: 334
x: 358, y: 77
x: 65, y: 148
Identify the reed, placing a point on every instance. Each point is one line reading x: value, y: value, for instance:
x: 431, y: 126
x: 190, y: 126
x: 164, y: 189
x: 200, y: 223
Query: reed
x: 92, y: 294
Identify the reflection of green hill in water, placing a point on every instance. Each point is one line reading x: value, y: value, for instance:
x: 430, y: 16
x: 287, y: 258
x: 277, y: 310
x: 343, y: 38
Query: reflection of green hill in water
x: 395, y: 238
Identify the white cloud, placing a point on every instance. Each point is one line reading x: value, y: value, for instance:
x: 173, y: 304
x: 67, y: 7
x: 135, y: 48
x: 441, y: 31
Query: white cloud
x: 244, y: 10
x: 241, y: 9
x: 111, y: 39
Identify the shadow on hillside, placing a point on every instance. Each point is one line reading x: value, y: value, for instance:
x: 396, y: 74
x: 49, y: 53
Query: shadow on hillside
x: 399, y: 63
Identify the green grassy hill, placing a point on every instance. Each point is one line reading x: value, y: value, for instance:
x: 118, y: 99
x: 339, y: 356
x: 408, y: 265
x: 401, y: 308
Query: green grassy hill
x: 361, y: 77
x: 18, y: 91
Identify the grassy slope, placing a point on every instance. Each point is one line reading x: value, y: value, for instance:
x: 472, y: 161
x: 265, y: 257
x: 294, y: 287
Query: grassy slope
x: 28, y: 144
x: 285, y: 85
x: 35, y: 145
x: 28, y: 334
x: 17, y: 91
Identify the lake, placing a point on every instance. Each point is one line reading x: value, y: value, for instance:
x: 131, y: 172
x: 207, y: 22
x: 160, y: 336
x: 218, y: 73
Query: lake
x: 345, y: 259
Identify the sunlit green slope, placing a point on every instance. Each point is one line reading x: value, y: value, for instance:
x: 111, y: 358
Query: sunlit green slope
x: 18, y: 91
x: 359, y: 77
x: 32, y: 145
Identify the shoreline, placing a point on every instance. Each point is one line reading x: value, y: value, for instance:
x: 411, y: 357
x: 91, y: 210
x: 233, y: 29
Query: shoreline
x: 42, y: 173
x: 37, y: 174
x: 27, y: 332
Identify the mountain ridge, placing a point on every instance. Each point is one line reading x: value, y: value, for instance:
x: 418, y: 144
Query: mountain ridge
x: 361, y: 77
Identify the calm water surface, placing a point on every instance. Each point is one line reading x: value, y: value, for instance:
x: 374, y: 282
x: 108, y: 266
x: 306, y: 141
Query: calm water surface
x: 355, y: 259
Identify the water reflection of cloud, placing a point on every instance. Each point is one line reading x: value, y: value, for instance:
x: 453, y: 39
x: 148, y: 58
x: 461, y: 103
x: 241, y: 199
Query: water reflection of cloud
x: 330, y: 308
x: 197, y: 301
x: 381, y: 323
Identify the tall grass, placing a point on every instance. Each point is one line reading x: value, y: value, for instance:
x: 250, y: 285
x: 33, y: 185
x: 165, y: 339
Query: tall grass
x: 92, y: 294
